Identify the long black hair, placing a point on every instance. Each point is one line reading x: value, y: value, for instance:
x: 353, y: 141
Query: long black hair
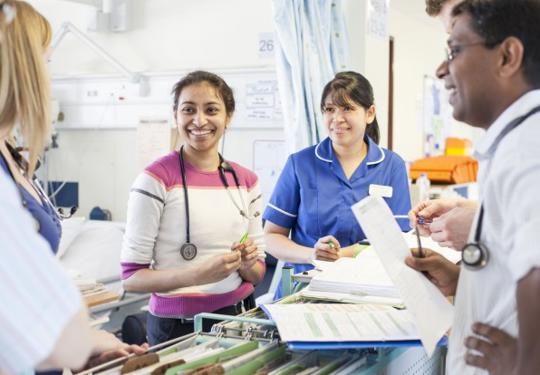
x: 352, y: 86
x: 198, y: 76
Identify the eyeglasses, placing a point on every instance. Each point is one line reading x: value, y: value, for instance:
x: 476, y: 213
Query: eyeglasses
x: 453, y: 51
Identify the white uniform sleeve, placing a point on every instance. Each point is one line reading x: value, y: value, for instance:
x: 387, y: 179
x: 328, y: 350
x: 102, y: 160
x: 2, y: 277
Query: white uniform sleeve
x: 145, y: 207
x: 38, y: 298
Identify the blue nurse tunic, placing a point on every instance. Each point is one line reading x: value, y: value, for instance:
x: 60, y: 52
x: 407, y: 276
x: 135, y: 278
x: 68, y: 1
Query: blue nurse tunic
x: 313, y: 197
x: 47, y: 222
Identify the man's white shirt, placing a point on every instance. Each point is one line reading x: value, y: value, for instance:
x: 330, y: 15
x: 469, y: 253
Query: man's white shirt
x: 509, y: 177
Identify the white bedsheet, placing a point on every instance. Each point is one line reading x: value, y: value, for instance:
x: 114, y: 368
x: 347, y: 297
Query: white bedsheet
x: 92, y: 248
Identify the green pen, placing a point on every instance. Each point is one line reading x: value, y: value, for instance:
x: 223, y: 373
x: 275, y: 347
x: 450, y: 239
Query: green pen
x: 244, y: 238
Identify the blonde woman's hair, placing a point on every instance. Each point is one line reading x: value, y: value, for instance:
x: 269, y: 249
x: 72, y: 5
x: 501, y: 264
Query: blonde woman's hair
x: 25, y: 36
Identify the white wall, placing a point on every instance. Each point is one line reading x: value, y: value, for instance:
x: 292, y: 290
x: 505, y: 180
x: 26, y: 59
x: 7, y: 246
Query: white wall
x: 172, y: 35
x: 369, y: 56
x: 419, y: 49
x: 167, y: 35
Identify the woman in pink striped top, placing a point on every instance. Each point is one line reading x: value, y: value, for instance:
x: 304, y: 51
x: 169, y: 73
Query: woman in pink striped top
x: 194, y: 234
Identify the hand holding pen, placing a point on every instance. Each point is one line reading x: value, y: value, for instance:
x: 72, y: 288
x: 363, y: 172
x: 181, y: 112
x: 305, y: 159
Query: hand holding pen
x: 439, y: 270
x: 327, y: 248
x: 248, y: 251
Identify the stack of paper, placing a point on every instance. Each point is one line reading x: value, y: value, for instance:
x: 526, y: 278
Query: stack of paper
x: 93, y: 293
x: 361, y: 276
x: 364, y: 279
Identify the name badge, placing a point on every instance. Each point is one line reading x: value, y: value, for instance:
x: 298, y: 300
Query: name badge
x: 381, y: 190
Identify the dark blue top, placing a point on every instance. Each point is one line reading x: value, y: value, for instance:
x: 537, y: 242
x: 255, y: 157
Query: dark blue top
x: 313, y: 197
x: 42, y: 212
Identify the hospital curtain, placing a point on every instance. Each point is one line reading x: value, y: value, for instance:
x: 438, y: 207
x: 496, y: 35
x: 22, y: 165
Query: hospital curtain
x: 311, y: 48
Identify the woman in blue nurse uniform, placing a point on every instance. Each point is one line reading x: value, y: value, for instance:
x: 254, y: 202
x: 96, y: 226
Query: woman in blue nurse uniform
x: 318, y: 185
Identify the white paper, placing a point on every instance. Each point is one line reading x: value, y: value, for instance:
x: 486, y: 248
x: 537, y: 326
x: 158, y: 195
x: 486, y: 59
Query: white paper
x: 348, y: 298
x: 319, y: 322
x: 432, y: 312
x: 363, y: 275
x: 153, y: 141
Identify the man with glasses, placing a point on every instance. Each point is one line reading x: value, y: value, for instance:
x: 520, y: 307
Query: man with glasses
x: 492, y: 71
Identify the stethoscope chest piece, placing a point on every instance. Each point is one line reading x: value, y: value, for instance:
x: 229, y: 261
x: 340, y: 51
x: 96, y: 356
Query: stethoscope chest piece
x: 188, y: 251
x: 474, y: 256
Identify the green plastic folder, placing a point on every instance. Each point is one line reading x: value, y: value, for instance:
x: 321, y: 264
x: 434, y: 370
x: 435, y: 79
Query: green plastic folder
x: 227, y: 354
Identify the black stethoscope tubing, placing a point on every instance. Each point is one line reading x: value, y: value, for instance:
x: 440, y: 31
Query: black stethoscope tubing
x: 189, y: 250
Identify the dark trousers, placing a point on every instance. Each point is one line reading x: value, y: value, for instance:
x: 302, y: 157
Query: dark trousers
x: 160, y: 330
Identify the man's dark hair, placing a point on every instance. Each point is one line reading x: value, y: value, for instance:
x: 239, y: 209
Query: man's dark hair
x: 434, y: 7
x: 496, y: 20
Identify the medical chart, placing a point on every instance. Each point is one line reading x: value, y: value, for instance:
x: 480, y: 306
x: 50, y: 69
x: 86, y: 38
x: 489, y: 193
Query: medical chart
x: 337, y: 322
x: 431, y: 311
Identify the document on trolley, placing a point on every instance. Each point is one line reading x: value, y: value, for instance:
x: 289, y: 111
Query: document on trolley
x: 339, y: 322
x: 429, y: 308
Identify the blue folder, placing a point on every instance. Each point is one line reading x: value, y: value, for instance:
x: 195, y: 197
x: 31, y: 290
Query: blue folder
x: 333, y: 345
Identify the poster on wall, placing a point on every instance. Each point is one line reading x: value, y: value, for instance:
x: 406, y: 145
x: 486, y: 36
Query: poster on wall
x: 269, y: 157
x: 377, y: 24
x: 436, y: 116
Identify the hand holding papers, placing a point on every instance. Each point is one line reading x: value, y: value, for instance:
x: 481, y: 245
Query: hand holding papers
x: 431, y: 312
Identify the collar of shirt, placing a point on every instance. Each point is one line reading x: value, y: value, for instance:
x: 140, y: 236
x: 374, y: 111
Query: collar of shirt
x: 325, y: 152
x: 488, y: 144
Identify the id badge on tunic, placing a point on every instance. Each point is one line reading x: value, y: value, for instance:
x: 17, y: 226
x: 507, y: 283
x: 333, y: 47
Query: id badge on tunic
x: 381, y: 190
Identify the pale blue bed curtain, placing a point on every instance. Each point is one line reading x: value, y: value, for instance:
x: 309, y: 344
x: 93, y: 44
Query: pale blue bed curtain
x: 311, y: 48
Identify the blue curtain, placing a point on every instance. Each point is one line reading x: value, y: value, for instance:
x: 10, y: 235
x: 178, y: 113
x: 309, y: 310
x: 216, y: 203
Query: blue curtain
x: 311, y: 48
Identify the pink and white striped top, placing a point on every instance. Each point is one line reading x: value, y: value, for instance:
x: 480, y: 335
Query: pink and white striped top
x: 156, y: 229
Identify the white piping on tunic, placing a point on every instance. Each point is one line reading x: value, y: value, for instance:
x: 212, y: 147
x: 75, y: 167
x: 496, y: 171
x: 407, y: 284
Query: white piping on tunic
x: 280, y: 210
x: 368, y: 163
x: 318, y: 156
x: 380, y: 160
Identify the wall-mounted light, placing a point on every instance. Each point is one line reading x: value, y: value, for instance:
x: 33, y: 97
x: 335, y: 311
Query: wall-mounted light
x: 134, y: 77
x: 110, y: 16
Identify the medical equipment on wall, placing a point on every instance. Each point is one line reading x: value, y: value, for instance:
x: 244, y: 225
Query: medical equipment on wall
x: 22, y: 164
x: 474, y: 254
x: 137, y: 78
x: 189, y: 250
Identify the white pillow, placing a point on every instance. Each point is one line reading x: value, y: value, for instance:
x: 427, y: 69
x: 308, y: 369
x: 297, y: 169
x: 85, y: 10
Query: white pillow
x: 95, y: 253
x: 70, y: 230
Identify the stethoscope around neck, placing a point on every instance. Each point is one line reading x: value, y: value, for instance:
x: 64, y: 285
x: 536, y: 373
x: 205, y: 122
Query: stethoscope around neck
x: 189, y: 250
x: 475, y: 255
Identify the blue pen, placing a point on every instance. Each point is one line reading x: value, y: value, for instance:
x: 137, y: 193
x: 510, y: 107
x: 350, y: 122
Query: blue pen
x: 423, y: 221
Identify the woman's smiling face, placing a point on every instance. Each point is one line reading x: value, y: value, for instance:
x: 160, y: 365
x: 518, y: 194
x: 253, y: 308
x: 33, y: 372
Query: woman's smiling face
x: 201, y: 117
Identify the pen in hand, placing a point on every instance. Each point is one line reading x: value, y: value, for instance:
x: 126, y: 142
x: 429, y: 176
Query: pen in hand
x: 421, y: 253
x: 244, y: 238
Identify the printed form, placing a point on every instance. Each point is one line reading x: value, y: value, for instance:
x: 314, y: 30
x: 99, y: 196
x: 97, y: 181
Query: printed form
x: 431, y: 311
x: 336, y: 322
